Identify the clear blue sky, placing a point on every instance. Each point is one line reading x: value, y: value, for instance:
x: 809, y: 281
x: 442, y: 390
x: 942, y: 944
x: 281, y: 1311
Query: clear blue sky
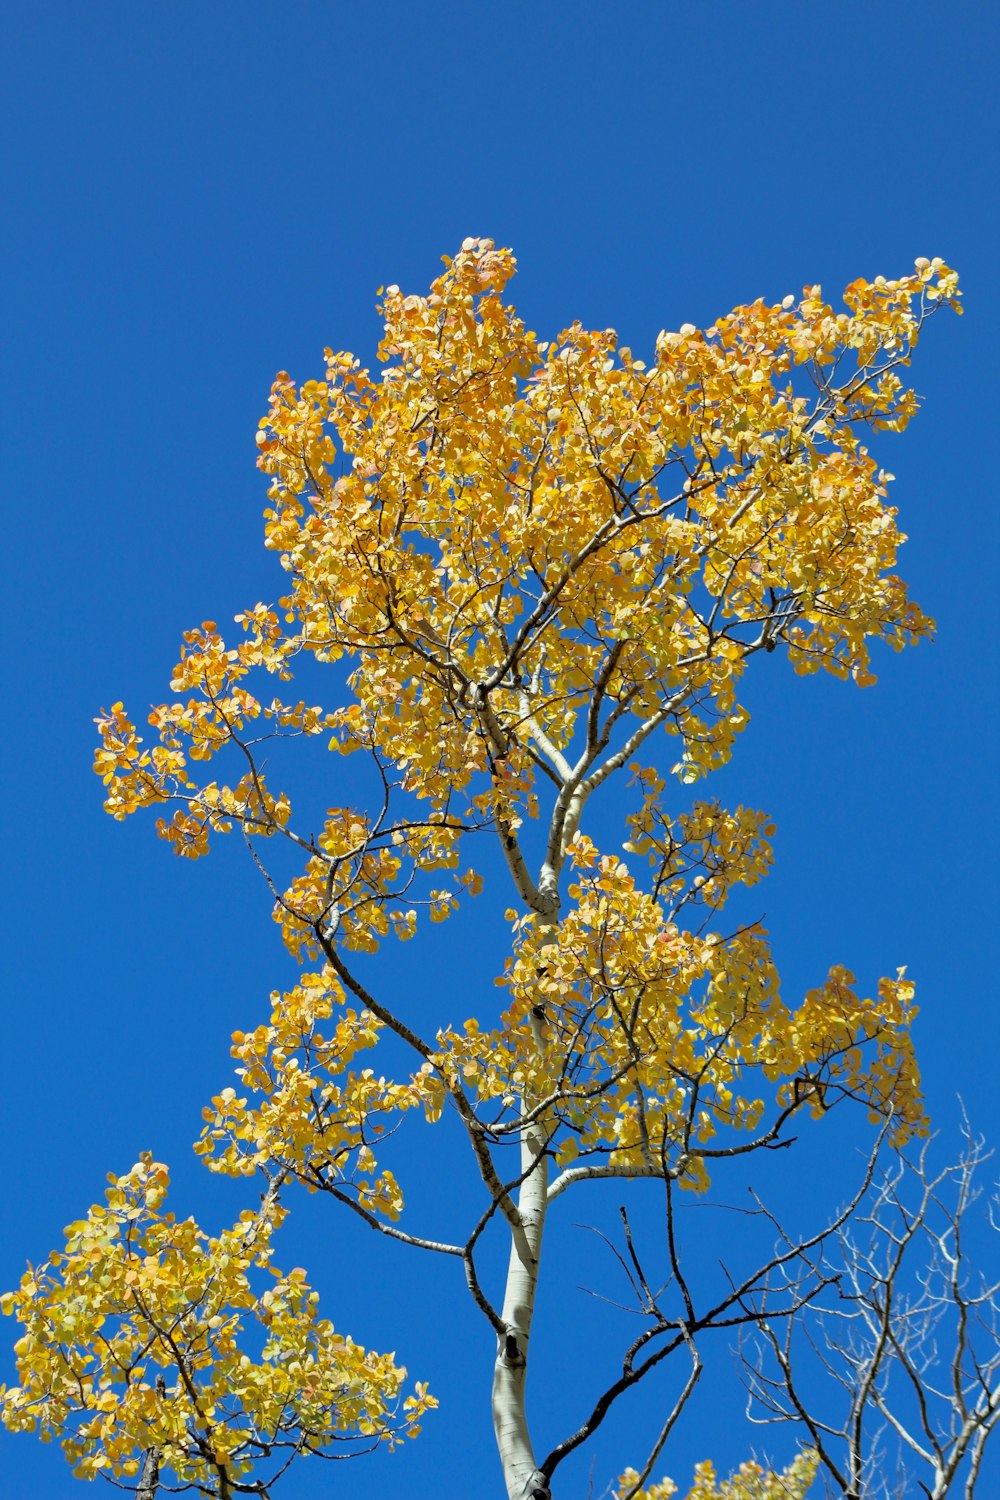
x: 200, y: 195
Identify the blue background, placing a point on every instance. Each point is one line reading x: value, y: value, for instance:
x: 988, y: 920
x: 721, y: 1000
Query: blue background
x: 199, y: 195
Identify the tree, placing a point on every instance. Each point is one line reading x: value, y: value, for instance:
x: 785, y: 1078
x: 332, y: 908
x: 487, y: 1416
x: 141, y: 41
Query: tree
x: 909, y: 1342
x: 520, y: 562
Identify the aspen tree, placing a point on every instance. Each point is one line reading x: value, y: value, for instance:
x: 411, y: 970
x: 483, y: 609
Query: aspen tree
x: 535, y: 570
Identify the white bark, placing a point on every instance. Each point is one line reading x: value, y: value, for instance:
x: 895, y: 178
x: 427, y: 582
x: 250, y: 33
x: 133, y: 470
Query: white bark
x: 149, y: 1479
x: 510, y: 1422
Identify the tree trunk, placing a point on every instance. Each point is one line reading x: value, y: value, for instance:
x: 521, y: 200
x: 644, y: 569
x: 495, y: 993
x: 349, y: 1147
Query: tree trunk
x: 149, y: 1479
x: 523, y: 1479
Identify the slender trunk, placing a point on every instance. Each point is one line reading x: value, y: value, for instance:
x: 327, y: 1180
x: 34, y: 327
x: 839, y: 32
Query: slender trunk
x: 149, y: 1479
x: 523, y: 1479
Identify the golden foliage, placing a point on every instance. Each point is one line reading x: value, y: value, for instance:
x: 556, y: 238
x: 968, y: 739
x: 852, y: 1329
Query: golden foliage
x: 750, y: 1482
x: 534, y: 556
x: 140, y: 1336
